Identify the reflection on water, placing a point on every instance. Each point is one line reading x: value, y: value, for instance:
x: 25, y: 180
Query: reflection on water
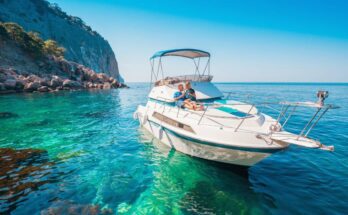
x: 182, y: 184
x: 82, y: 153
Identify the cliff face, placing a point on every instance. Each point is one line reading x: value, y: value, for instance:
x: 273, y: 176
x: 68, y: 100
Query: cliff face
x: 30, y: 64
x: 82, y: 44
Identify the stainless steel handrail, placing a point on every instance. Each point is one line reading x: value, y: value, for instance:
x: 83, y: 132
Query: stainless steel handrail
x: 229, y: 93
x: 243, y: 119
x: 282, y: 114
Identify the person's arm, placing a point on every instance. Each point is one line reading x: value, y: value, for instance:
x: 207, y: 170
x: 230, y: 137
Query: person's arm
x: 182, y: 96
x: 193, y: 93
x: 176, y: 98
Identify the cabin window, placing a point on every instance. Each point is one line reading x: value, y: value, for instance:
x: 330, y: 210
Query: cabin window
x: 172, y: 122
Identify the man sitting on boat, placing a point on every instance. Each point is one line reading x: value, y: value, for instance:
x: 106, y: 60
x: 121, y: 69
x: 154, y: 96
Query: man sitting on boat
x: 179, y: 96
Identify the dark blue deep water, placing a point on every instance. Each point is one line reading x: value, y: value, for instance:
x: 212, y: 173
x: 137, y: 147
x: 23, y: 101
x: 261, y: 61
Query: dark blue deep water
x: 82, y: 153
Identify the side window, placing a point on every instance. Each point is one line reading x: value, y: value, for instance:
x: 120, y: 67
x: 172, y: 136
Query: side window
x: 172, y: 122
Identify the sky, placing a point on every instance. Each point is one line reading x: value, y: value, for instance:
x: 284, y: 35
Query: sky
x: 249, y: 41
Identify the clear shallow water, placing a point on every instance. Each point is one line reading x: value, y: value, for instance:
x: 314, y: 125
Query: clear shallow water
x: 95, y: 155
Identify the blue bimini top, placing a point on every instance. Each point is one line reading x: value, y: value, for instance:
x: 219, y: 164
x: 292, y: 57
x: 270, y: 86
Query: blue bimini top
x: 189, y: 53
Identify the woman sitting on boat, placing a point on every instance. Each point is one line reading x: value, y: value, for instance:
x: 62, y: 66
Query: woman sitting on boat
x: 191, y: 99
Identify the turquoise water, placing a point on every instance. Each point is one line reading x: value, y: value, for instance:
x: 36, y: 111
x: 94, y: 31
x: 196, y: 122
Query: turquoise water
x: 95, y: 155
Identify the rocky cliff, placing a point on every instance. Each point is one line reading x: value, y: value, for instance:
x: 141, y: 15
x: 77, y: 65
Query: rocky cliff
x: 82, y: 44
x: 30, y: 64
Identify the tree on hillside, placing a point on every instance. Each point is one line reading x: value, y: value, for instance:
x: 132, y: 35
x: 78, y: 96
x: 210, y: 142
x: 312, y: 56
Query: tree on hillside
x: 30, y: 41
x: 15, y: 31
x: 51, y: 48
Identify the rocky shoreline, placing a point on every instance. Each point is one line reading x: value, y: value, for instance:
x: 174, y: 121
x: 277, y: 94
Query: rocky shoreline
x: 72, y: 76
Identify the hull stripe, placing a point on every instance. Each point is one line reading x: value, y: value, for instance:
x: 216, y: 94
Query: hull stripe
x: 217, y: 144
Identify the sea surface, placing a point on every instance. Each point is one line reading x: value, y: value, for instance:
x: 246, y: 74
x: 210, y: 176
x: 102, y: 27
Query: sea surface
x: 81, y: 152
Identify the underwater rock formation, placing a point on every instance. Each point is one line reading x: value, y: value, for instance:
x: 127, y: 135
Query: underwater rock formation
x: 16, y: 169
x: 6, y: 115
x: 67, y: 207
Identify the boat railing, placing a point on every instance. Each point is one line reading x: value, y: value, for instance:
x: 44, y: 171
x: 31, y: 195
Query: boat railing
x: 209, y: 105
x: 183, y: 78
x: 245, y: 97
x: 286, y: 111
x: 285, y: 114
x: 228, y: 95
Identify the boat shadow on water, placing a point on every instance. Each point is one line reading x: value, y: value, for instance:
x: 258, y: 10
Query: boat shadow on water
x: 242, y: 171
x: 188, y: 184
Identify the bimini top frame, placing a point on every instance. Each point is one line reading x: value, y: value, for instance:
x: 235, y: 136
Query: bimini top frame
x: 194, y: 54
x: 189, y: 53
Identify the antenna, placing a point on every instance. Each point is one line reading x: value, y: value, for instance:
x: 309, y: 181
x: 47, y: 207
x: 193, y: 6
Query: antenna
x: 322, y: 95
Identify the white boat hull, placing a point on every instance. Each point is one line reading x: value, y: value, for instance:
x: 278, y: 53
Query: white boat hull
x: 203, y: 150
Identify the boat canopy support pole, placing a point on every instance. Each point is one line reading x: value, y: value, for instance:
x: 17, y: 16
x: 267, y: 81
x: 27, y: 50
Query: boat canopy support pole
x: 197, y: 67
x: 152, y: 72
x: 161, y: 66
x: 198, y: 73
x: 207, y: 66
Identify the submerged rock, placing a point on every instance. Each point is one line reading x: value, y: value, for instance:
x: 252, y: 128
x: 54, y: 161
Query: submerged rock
x: 6, y: 115
x: 67, y: 155
x: 68, y: 207
x: 16, y: 174
x: 123, y: 208
x: 39, y: 123
x: 206, y: 198
x: 95, y: 114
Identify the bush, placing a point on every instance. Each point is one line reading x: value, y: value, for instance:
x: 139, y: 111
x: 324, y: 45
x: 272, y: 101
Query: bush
x: 30, y: 41
x: 14, y: 31
x: 51, y: 48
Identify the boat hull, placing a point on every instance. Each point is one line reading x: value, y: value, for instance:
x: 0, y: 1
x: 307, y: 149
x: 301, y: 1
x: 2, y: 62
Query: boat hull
x: 204, y: 150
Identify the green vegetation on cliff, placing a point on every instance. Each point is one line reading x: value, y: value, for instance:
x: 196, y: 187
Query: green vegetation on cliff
x: 30, y: 41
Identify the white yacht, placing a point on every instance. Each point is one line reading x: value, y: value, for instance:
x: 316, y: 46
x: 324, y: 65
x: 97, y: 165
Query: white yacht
x: 225, y: 130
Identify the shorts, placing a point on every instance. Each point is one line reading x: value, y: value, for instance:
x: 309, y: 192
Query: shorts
x: 180, y: 103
